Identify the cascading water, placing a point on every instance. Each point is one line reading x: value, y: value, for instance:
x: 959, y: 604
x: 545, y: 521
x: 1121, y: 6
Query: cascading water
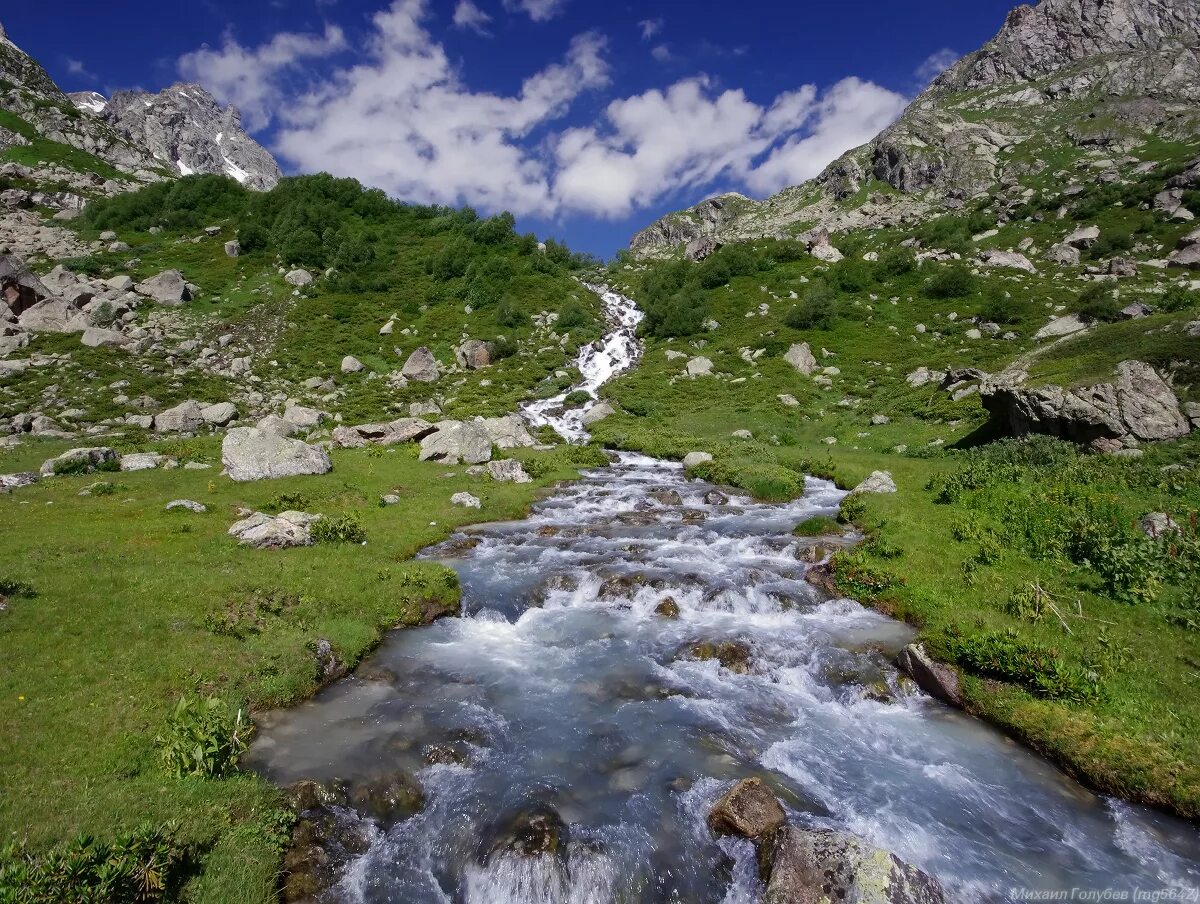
x: 569, y: 739
x: 598, y: 363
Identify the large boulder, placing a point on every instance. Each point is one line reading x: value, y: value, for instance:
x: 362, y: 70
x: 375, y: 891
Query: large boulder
x: 298, y: 278
x: 456, y: 442
x: 304, y: 417
x: 508, y: 470
x: 1063, y: 254
x: 168, y: 287
x: 748, y: 810
x: 800, y: 356
x: 186, y: 417
x: 597, y: 413
x: 421, y: 366
x: 1011, y: 259
x: 19, y: 288
x: 53, y: 315
x: 699, y: 367
x: 508, y: 432
x: 803, y: 866
x: 219, y: 414
x: 474, y: 354
x: 1083, y: 237
x: 403, y: 430
x: 82, y: 461
x: 252, y: 454
x: 878, y: 482
x: 936, y: 679
x: 351, y: 365
x: 98, y: 337
x: 1138, y: 404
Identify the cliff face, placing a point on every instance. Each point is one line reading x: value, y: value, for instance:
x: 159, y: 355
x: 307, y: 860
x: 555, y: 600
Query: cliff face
x: 1073, y: 76
x: 185, y: 127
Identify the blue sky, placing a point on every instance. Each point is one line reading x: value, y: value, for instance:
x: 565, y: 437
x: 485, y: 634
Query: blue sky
x: 586, y: 119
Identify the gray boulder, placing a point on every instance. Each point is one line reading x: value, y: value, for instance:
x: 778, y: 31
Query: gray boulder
x: 878, y: 482
x: 508, y: 432
x: 220, y: 414
x: 304, y: 417
x: 351, y: 365
x: 189, y: 505
x: 692, y: 459
x: 285, y: 530
x: 233, y: 248
x: 699, y: 367
x: 82, y: 461
x: 53, y: 315
x: 800, y: 356
x: 1009, y: 259
x: 299, y: 278
x: 508, y: 470
x: 456, y: 442
x: 1063, y: 254
x: 466, y: 500
x: 803, y: 866
x: 474, y: 354
x: 19, y: 288
x: 597, y: 413
x: 168, y: 287
x: 933, y: 677
x: 96, y: 337
x: 141, y: 461
x: 252, y: 454
x: 273, y: 423
x: 186, y: 417
x: 421, y: 367
x: 1083, y: 237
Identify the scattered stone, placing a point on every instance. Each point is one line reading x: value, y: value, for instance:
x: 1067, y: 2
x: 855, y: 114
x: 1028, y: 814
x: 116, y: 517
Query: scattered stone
x: 220, y: 414
x: 1061, y: 326
x: 699, y: 367
x: 351, y: 365
x: 597, y: 413
x: 1063, y: 254
x: 303, y: 417
x: 273, y: 423
x: 249, y: 453
x: 168, y: 287
x: 466, y: 500
x: 1158, y: 524
x: 186, y: 417
x: 1009, y: 259
x: 1083, y: 237
x: 800, y: 356
x: 456, y: 442
x: 233, y: 248
x: 789, y: 400
x: 188, y: 504
x: 82, y: 461
x: 473, y: 354
x: 141, y: 461
x: 298, y: 278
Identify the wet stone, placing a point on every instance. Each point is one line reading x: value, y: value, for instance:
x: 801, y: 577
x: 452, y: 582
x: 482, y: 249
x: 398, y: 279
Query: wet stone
x: 732, y: 654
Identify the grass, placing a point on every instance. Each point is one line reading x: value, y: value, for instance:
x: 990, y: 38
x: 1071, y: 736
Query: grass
x: 41, y: 150
x: 135, y: 606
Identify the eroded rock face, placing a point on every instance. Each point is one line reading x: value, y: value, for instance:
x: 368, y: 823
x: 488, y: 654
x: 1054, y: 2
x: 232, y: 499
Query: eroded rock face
x: 1139, y: 404
x: 252, y: 454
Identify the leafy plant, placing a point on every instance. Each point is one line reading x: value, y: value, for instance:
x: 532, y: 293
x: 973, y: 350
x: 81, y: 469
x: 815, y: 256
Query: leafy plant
x: 1008, y: 657
x: 203, y: 738
x: 343, y: 529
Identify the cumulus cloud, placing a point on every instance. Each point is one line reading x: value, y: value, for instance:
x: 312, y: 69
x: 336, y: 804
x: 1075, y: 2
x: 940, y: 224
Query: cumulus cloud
x: 662, y: 53
x: 251, y: 79
x: 537, y: 10
x: 401, y: 118
x: 690, y: 135
x: 649, y: 28
x: 403, y: 121
x: 935, y: 64
x: 468, y: 15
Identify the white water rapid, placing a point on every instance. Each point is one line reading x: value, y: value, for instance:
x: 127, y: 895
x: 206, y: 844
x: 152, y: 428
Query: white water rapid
x: 598, y: 363
x: 569, y: 744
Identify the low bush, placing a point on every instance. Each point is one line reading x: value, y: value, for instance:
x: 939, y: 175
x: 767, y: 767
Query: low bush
x: 342, y: 529
x: 954, y: 281
x: 139, y: 867
x: 1006, y: 656
x: 818, y: 526
x: 203, y: 738
x: 1096, y: 303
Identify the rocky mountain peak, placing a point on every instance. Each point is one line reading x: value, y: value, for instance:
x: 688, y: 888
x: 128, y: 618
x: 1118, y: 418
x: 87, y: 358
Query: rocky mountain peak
x: 187, y: 128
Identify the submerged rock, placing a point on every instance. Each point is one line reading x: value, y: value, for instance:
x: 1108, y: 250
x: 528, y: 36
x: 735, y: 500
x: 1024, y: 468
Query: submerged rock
x: 389, y: 799
x: 731, y: 654
x: 533, y: 832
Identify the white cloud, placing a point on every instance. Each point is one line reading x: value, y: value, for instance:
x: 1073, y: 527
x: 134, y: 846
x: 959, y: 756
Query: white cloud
x: 537, y: 10
x: 77, y: 67
x: 250, y: 79
x: 849, y: 114
x: 689, y: 136
x: 650, y: 27
x: 935, y: 64
x: 661, y: 52
x: 468, y: 15
x: 402, y: 120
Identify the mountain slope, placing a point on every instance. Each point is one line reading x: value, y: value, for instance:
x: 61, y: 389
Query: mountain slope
x: 181, y: 130
x: 1061, y: 82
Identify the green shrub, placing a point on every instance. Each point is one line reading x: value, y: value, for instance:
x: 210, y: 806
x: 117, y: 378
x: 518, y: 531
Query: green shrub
x: 571, y: 315
x: 139, y: 867
x: 954, y: 281
x: 896, y: 262
x: 1001, y: 308
x: 203, y: 738
x: 286, y: 502
x: 1177, y: 298
x: 816, y: 310
x: 11, y: 587
x: 578, y: 397
x: 1096, y: 303
x: 343, y: 529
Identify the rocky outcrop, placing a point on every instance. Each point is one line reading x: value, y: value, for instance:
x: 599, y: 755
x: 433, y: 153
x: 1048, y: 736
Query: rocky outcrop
x: 1139, y: 404
x: 282, y: 531
x: 187, y: 129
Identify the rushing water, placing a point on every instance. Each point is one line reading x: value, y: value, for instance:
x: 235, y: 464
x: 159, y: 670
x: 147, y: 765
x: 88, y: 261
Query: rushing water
x: 561, y: 687
x: 598, y: 363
